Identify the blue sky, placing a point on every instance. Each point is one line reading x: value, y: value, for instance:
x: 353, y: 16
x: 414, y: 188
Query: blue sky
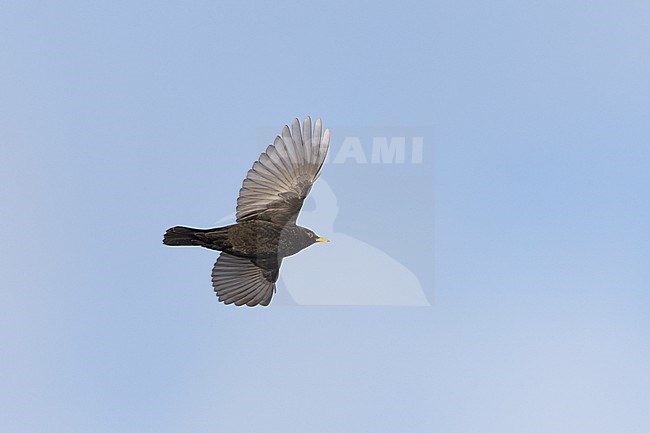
x: 118, y: 120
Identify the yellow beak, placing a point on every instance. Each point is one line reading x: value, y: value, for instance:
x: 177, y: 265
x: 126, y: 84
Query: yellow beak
x: 322, y: 240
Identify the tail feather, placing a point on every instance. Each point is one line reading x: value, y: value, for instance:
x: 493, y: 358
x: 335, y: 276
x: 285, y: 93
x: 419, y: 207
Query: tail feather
x: 182, y: 236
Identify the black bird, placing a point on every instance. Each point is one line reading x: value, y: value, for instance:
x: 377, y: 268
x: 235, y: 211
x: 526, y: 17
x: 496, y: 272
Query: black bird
x: 267, y: 208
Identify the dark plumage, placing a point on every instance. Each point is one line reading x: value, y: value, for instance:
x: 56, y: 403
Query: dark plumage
x: 269, y: 202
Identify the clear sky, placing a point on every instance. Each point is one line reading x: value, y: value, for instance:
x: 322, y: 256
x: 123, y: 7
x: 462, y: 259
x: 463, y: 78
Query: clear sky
x: 526, y: 225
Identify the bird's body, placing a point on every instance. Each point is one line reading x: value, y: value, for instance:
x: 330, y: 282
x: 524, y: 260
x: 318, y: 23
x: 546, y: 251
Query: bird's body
x: 269, y: 201
x: 248, y: 239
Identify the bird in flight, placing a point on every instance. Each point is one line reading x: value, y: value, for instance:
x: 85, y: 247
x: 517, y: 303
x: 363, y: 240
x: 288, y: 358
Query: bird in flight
x: 268, y: 205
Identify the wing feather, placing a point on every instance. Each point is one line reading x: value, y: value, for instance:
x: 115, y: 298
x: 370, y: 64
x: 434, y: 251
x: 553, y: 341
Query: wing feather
x: 240, y: 281
x: 299, y: 145
x: 277, y: 185
x: 306, y: 136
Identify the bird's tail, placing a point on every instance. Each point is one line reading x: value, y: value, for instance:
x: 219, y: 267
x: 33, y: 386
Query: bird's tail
x: 183, y: 236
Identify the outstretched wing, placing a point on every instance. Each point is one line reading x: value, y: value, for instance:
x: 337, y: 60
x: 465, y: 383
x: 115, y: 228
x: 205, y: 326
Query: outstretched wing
x: 279, y: 181
x: 240, y: 281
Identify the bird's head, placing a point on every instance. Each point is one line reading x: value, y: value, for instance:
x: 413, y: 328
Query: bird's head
x: 311, y: 237
x: 295, y: 238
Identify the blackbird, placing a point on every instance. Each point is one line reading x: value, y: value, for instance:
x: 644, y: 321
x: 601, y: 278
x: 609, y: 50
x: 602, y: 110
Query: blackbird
x: 265, y: 231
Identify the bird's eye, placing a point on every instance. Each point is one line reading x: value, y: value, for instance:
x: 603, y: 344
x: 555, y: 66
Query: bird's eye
x: 311, y: 235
